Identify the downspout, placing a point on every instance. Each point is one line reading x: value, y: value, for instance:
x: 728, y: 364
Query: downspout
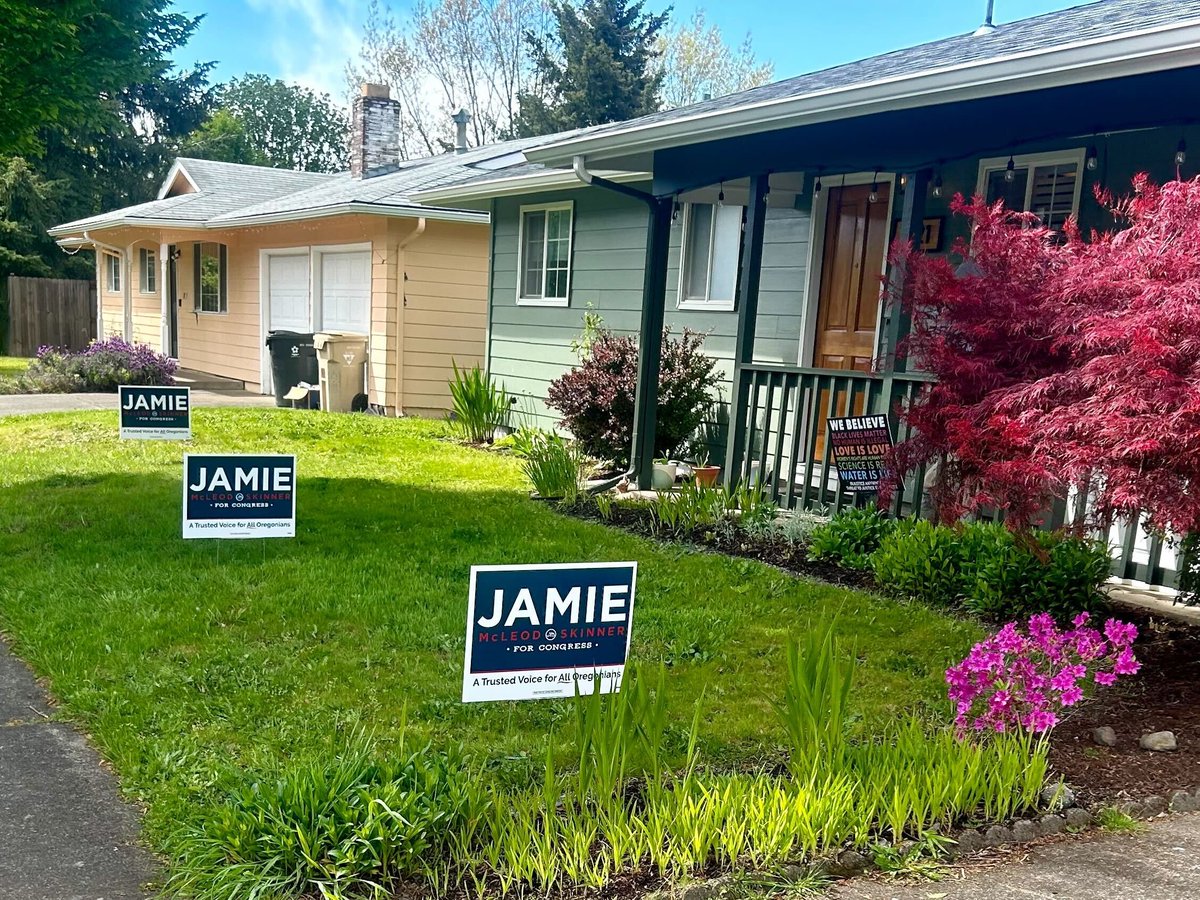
x: 401, y: 298
x: 641, y: 455
x: 116, y: 251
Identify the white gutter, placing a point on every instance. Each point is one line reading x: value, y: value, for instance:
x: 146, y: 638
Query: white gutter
x: 513, y: 185
x: 1165, y: 47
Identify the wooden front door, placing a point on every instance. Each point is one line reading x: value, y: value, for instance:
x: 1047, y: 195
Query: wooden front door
x: 856, y: 235
x: 848, y: 305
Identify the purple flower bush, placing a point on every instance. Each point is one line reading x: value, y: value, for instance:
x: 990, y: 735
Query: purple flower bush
x: 1024, y: 679
x: 101, y: 366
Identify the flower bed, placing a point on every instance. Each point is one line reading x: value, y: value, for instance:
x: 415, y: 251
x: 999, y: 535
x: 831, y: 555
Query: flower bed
x: 100, y: 367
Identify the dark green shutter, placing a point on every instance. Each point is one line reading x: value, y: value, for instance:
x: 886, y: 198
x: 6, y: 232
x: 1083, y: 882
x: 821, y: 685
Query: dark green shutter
x: 223, y: 304
x: 197, y: 288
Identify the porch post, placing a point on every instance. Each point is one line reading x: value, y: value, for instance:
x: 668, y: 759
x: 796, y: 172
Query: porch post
x: 747, y: 306
x: 912, y: 227
x: 654, y: 296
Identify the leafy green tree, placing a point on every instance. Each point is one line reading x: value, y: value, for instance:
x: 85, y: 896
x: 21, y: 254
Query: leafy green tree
x: 291, y: 126
x: 223, y: 137
x: 695, y: 62
x: 70, y: 63
x: 597, y: 67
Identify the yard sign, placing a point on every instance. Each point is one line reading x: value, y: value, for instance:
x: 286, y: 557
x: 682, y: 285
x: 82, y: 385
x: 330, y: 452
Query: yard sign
x: 860, y: 448
x: 155, y: 413
x: 535, y: 632
x: 239, y: 496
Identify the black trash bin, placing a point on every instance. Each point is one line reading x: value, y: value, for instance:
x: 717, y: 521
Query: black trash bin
x: 293, y: 360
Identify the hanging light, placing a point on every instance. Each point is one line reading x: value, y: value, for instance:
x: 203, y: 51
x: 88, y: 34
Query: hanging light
x: 937, y: 185
x: 1092, y: 159
x: 1181, y: 152
x: 873, y: 197
x: 1010, y: 171
x: 721, y: 195
x: 903, y: 182
x: 817, y: 186
x: 675, y: 210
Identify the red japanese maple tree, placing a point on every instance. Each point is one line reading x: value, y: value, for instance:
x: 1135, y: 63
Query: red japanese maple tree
x: 1063, y: 362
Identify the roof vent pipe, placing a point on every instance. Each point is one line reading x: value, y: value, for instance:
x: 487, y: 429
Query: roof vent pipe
x: 987, y: 27
x: 460, y: 119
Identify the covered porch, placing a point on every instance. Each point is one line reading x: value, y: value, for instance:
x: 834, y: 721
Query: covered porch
x: 861, y: 181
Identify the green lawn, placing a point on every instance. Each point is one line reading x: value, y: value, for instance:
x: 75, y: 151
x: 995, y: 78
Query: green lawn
x: 192, y: 662
x: 12, y: 366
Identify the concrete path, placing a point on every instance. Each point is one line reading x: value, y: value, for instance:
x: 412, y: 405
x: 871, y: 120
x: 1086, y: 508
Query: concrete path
x: 65, y: 833
x: 19, y: 404
x: 1160, y: 863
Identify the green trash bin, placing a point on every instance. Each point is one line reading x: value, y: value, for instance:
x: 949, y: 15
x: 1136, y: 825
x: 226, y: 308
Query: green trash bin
x: 293, y: 361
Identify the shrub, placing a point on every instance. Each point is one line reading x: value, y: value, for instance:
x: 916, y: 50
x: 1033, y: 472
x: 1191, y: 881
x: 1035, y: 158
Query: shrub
x: 921, y: 561
x: 1025, y: 679
x: 102, y: 366
x: 554, y: 466
x: 479, y: 407
x: 850, y: 537
x: 596, y: 399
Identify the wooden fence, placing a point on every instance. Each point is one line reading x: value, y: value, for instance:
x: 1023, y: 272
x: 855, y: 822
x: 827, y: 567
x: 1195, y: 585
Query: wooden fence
x: 60, y: 312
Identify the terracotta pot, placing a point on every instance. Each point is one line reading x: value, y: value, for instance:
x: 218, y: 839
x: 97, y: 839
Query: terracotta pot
x: 706, y: 476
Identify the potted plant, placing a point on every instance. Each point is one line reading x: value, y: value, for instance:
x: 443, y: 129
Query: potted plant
x: 705, y: 475
x: 663, y: 478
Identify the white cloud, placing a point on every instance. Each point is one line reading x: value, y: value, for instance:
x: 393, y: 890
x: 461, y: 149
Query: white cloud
x: 311, y: 40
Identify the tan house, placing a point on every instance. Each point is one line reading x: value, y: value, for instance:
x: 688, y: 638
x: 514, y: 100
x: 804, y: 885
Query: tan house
x: 227, y: 253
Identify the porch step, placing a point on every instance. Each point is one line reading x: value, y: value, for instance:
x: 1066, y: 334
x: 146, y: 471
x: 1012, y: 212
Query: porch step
x: 202, y: 381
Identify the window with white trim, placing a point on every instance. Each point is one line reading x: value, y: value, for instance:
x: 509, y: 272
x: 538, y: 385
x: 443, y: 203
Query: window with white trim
x: 712, y: 245
x: 148, y: 270
x: 544, y: 266
x: 210, y: 262
x: 1046, y: 184
x: 112, y: 273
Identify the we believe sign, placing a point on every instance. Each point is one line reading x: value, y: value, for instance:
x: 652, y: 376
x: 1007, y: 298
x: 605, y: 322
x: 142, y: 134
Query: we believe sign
x: 239, y: 496
x: 535, y: 632
x: 155, y: 413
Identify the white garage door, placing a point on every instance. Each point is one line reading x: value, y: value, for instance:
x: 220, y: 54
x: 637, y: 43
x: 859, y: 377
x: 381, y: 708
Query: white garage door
x: 346, y: 292
x: 288, y: 281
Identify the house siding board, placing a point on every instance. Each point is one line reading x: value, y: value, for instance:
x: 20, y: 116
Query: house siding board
x: 530, y: 345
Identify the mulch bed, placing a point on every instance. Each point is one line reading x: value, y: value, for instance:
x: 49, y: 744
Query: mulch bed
x: 1164, y: 696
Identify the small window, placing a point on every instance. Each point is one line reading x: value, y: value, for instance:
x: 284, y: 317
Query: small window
x: 148, y: 267
x: 545, y: 255
x: 112, y: 273
x: 712, y: 246
x: 211, y: 278
x: 1048, y: 185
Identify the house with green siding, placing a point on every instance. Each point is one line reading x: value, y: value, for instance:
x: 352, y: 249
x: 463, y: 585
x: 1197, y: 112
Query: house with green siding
x: 763, y: 219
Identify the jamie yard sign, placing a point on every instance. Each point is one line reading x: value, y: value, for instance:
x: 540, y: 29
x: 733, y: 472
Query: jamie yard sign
x: 535, y: 632
x: 155, y: 413
x: 860, y: 449
x: 239, y: 496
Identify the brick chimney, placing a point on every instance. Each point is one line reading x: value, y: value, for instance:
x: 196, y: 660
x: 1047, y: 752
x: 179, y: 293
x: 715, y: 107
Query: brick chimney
x: 374, y: 132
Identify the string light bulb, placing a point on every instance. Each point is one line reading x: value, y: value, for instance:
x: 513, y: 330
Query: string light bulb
x: 817, y: 186
x: 937, y: 186
x: 721, y: 195
x: 675, y: 210
x: 1010, y: 171
x: 873, y: 197
x: 1181, y: 152
x: 1092, y: 158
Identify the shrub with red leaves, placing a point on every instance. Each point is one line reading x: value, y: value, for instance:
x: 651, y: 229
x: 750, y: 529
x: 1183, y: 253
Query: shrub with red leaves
x: 1063, y: 363
x: 596, y: 398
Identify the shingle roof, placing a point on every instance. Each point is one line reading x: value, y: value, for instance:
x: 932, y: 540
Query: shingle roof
x: 1080, y: 23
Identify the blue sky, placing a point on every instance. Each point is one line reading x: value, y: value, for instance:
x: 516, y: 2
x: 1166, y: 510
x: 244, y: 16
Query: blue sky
x: 310, y: 40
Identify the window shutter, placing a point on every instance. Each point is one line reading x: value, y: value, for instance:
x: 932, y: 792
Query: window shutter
x: 223, y: 302
x: 197, y: 284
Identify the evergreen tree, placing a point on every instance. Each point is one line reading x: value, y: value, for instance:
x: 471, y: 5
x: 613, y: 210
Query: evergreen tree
x: 597, y: 67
